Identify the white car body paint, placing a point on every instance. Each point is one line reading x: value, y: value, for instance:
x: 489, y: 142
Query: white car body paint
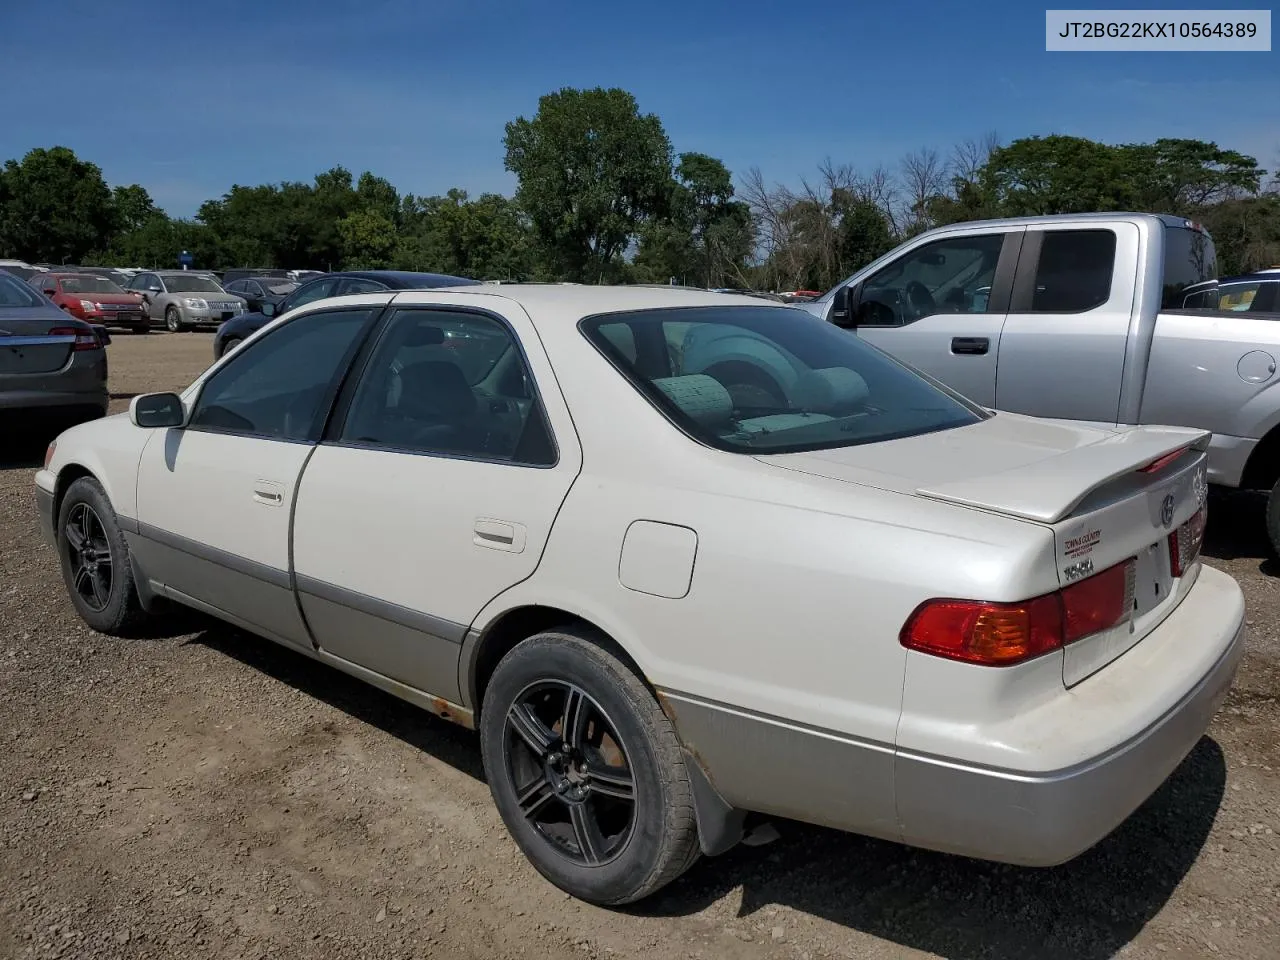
x: 775, y: 649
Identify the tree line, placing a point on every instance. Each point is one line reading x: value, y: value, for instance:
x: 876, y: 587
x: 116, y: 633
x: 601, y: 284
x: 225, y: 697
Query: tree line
x: 602, y: 197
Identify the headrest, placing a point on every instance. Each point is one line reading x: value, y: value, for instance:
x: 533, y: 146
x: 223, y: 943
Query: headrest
x: 435, y: 388
x: 700, y: 397
x: 829, y: 389
x: 424, y: 335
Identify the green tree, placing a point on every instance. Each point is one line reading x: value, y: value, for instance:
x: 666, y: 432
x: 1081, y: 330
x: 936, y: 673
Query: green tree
x: 56, y: 207
x: 1059, y: 174
x: 133, y: 208
x: 368, y: 240
x: 1178, y: 176
x: 591, y: 170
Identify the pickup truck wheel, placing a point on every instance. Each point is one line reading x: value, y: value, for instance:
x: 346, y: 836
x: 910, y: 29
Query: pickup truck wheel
x: 95, y: 560
x: 586, y: 770
x: 1273, y: 518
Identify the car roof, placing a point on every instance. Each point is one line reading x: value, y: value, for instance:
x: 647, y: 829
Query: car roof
x: 405, y: 279
x: 573, y: 302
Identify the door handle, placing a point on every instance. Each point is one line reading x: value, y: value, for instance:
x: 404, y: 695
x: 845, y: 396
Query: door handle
x: 499, y: 535
x: 970, y: 345
x: 268, y: 492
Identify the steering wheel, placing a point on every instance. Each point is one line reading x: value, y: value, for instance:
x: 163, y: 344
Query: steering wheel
x: 919, y: 301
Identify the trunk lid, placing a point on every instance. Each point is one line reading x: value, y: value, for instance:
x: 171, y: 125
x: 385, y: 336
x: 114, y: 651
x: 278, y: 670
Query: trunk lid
x: 1094, y: 487
x: 28, y: 346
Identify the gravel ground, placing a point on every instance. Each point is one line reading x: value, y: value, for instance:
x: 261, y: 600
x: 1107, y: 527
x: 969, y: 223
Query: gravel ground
x: 211, y: 795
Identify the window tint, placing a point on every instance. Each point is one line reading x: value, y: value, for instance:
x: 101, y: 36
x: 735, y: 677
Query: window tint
x: 360, y: 285
x: 771, y: 380
x: 277, y: 386
x: 451, y: 383
x: 1237, y: 296
x: 312, y: 291
x: 15, y: 293
x: 1203, y: 300
x: 1189, y: 257
x: 949, y: 276
x: 1074, y: 271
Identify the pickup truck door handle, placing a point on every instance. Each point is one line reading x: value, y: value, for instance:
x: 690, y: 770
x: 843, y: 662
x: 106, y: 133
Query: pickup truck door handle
x: 499, y: 535
x: 970, y: 345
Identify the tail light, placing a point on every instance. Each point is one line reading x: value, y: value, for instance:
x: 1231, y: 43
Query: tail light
x: 1001, y: 634
x: 85, y: 339
x: 1184, y: 543
x: 1155, y: 466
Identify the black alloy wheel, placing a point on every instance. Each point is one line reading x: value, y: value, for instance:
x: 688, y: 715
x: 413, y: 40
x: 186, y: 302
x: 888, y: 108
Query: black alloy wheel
x: 89, y: 554
x: 570, y: 771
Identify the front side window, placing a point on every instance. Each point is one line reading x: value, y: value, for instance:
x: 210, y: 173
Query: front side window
x: 1074, y: 271
x: 279, y: 386
x: 770, y: 379
x: 948, y: 276
x: 1237, y: 297
x: 451, y: 383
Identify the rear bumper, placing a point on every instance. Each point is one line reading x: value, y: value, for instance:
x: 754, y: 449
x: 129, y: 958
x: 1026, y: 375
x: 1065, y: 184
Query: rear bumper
x: 55, y: 400
x: 1042, y: 819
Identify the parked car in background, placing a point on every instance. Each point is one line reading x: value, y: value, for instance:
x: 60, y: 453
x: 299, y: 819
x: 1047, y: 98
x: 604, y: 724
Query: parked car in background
x: 234, y: 332
x: 302, y: 276
x: 22, y: 273
x: 240, y: 273
x: 1080, y: 317
x: 94, y: 299
x: 973, y: 632
x: 255, y: 291
x: 1252, y: 293
x: 52, y: 366
x: 184, y: 299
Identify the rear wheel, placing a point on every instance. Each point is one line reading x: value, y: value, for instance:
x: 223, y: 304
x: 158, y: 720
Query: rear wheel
x: 173, y: 320
x: 95, y: 560
x: 230, y: 344
x: 586, y: 770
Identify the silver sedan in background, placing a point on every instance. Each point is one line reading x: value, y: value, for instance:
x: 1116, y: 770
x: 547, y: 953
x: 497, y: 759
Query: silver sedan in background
x: 185, y: 299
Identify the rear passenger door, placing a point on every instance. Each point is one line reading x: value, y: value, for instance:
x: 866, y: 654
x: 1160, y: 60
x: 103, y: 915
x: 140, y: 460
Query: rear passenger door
x: 941, y: 306
x: 1062, y: 351
x: 434, y: 491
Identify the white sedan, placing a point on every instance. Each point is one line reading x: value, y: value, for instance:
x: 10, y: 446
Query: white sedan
x: 679, y: 555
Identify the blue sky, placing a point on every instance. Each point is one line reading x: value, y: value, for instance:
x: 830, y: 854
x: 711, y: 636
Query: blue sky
x: 188, y: 100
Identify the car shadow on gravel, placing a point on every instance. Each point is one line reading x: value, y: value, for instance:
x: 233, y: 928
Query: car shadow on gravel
x: 456, y: 746
x: 969, y: 909
x: 23, y: 447
x: 1237, y: 529
x: 956, y: 907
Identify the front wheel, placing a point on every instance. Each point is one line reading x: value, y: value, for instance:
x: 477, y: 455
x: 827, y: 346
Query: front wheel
x: 173, y: 320
x: 231, y: 343
x: 95, y: 560
x: 586, y: 770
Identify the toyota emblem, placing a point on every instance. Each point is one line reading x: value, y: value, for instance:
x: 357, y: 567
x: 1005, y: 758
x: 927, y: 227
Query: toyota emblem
x: 1166, y: 510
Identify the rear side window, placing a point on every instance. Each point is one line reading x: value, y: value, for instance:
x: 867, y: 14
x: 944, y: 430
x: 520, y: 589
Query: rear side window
x: 279, y: 386
x: 1189, y: 257
x: 1074, y: 271
x: 1237, y: 297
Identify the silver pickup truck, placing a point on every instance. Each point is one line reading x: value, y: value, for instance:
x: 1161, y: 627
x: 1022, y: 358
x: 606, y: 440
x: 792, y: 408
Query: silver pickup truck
x: 1080, y: 317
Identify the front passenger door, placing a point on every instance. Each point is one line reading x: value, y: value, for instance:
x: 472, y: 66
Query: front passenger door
x: 941, y: 307
x: 215, y: 498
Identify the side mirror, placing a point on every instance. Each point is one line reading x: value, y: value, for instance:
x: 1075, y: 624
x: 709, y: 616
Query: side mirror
x: 157, y: 410
x: 154, y: 289
x: 268, y: 309
x: 844, y: 309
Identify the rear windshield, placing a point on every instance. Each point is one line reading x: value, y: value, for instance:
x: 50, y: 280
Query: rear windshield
x: 1189, y: 258
x: 89, y: 284
x: 15, y: 293
x: 771, y: 379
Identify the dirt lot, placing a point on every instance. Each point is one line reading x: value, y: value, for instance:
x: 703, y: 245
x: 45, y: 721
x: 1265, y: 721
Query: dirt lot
x: 211, y: 795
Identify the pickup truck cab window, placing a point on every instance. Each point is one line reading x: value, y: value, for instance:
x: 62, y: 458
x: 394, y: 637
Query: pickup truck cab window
x: 1189, y: 258
x: 950, y: 276
x: 1074, y: 271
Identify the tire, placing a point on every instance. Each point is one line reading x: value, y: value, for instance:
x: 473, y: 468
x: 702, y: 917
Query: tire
x: 103, y: 593
x: 1273, y: 518
x: 173, y: 320
x: 142, y: 328
x: 230, y: 344
x: 580, y: 832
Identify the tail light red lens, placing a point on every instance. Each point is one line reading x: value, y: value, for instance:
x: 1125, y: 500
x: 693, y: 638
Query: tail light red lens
x: 85, y: 339
x: 1001, y: 634
x: 1185, y: 542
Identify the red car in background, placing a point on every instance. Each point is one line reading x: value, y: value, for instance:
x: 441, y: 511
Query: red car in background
x: 94, y: 299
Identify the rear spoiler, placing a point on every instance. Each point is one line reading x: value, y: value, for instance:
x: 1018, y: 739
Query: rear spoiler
x: 1049, y: 490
